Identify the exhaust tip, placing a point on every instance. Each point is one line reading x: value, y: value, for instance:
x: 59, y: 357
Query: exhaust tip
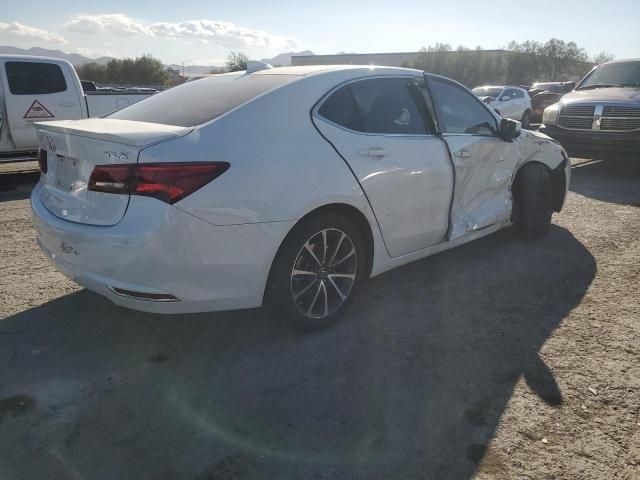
x: 146, y: 296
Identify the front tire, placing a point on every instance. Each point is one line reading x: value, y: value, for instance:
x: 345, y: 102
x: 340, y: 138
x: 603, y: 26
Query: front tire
x: 317, y: 271
x: 526, y: 119
x: 532, y: 200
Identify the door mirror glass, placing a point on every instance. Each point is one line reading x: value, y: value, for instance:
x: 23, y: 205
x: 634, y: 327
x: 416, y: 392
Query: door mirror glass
x: 509, y: 129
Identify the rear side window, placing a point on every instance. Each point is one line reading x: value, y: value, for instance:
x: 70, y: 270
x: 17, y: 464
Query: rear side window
x: 341, y: 108
x: 378, y: 105
x: 198, y: 102
x: 34, y: 78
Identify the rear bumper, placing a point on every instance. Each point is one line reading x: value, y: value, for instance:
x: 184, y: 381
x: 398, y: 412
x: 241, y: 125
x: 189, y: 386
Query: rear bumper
x: 159, y: 249
x: 597, y: 144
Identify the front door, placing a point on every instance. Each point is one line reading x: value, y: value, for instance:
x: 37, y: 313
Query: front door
x: 483, y: 162
x: 36, y: 91
x: 379, y: 128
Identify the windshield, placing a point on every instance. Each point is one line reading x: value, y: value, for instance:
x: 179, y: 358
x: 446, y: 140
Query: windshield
x: 487, y: 91
x: 195, y: 103
x: 613, y: 74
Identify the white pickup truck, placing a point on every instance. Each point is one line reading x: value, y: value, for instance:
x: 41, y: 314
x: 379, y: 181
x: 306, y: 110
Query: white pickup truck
x: 37, y: 89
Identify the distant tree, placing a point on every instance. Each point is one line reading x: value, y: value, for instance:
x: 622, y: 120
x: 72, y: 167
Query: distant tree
x: 237, y: 61
x: 92, y: 71
x: 144, y: 70
x: 562, y: 57
x: 522, y: 63
x: 602, y: 57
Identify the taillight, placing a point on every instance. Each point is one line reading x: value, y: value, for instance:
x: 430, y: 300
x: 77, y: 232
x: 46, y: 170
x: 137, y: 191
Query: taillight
x: 111, y: 178
x: 42, y: 160
x: 169, y: 182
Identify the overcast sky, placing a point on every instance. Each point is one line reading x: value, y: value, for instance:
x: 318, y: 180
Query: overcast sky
x: 203, y: 32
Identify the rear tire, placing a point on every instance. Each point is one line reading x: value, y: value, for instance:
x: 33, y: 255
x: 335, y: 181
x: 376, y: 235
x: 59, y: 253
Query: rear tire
x: 317, y: 271
x: 532, y: 200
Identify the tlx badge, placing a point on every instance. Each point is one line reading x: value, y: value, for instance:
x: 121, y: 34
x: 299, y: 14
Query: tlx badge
x: 116, y: 155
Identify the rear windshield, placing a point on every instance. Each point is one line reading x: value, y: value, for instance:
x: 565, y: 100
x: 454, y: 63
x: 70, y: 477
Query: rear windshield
x: 198, y: 102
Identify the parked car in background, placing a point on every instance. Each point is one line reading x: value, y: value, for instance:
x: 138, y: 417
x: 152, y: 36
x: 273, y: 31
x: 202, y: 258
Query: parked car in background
x: 543, y: 94
x: 287, y: 186
x: 601, y: 117
x: 35, y: 89
x: 508, y: 101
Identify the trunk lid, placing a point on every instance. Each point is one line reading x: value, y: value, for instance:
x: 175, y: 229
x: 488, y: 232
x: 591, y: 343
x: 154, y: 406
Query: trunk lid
x: 74, y: 148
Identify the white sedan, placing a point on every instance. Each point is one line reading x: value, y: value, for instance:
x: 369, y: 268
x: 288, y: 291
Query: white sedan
x: 286, y: 186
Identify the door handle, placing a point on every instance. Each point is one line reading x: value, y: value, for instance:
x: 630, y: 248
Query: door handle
x: 373, y: 152
x: 462, y: 153
x: 66, y: 104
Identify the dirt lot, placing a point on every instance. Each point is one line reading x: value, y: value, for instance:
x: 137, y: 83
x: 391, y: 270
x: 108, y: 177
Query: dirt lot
x: 502, y: 359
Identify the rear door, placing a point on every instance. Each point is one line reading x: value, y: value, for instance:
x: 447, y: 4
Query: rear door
x: 36, y: 91
x: 378, y: 126
x: 483, y: 162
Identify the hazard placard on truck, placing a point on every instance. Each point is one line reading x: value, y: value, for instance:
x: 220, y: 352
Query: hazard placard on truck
x: 38, y: 111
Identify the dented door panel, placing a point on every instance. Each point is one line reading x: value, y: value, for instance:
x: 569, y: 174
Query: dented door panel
x: 485, y: 167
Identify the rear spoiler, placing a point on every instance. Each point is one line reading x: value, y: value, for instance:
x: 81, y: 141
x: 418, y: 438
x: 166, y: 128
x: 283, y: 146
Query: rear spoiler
x: 127, y: 132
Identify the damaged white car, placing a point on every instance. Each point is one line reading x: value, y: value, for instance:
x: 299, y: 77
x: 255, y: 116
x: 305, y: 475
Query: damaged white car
x: 286, y: 186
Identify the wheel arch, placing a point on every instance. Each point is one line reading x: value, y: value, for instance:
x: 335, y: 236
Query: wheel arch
x: 558, y: 182
x: 356, y: 215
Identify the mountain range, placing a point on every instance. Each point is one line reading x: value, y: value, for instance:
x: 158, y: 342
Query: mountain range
x: 284, y: 59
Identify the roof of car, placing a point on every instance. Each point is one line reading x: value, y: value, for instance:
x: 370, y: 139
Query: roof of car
x: 498, y: 86
x: 303, y: 70
x: 622, y: 60
x: 35, y: 58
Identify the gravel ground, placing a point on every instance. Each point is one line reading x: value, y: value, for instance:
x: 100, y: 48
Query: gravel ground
x: 501, y: 359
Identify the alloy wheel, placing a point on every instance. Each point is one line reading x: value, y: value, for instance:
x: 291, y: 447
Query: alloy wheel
x: 324, y: 273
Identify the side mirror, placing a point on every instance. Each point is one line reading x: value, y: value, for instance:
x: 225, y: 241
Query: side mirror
x: 505, y: 98
x: 509, y: 129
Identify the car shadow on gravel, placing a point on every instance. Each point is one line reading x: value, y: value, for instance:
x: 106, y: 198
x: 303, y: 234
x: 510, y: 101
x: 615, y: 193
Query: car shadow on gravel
x: 411, y: 385
x: 17, y: 186
x: 612, y: 182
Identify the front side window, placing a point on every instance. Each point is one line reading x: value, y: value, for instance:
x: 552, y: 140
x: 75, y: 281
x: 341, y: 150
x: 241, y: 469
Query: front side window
x: 459, y: 111
x: 34, y: 78
x: 377, y: 105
